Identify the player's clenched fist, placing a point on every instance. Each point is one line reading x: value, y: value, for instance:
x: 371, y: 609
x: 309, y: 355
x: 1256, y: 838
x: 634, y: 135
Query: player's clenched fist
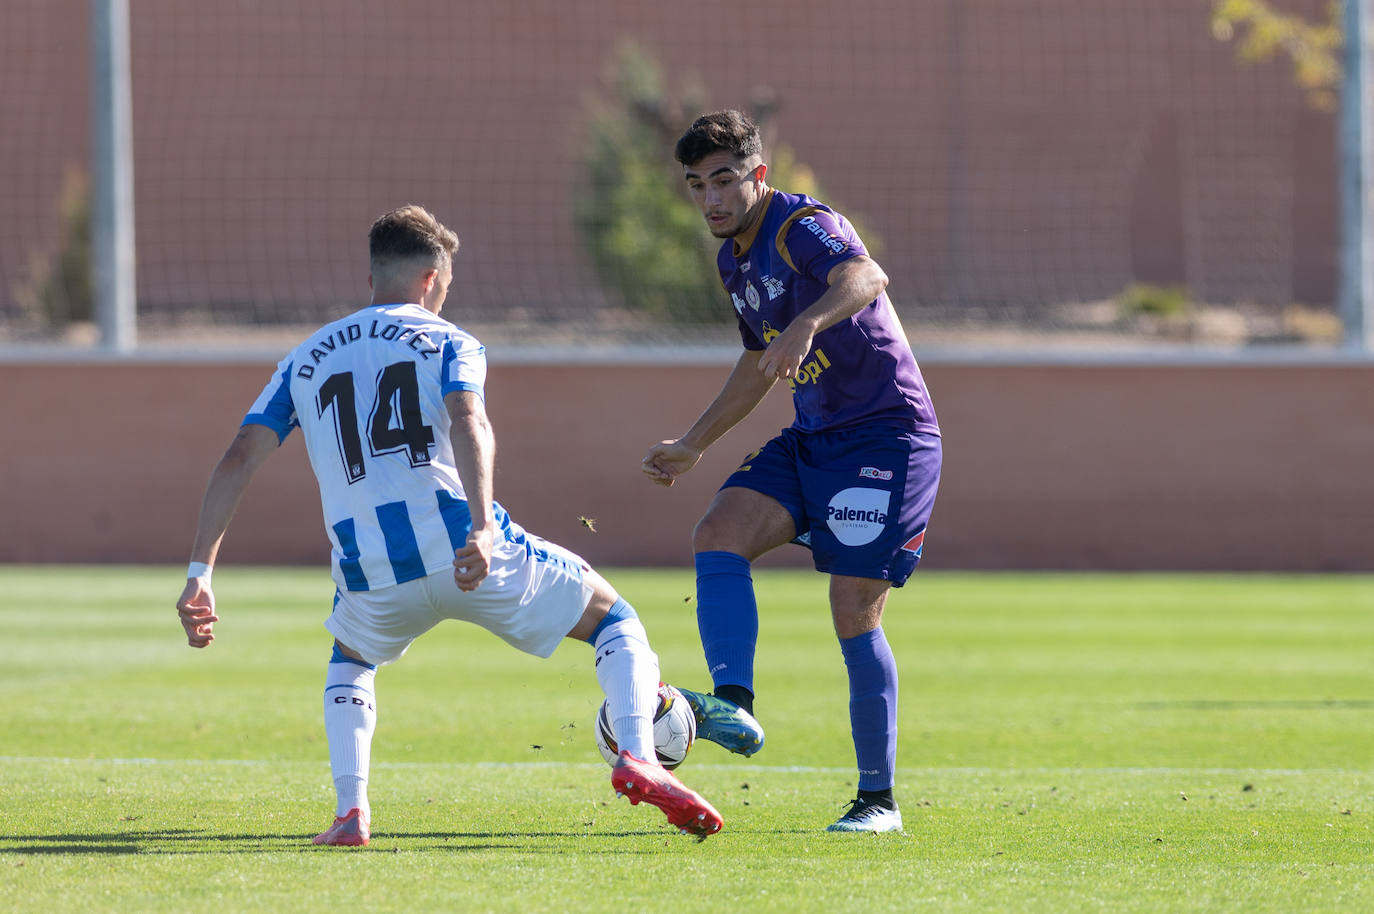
x: 668, y: 460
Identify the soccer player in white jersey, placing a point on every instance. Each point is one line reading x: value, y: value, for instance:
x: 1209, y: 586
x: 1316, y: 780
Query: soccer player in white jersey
x: 390, y: 401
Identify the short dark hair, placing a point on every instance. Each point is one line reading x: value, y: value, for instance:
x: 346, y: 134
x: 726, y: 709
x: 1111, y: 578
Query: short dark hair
x: 410, y: 233
x: 724, y: 131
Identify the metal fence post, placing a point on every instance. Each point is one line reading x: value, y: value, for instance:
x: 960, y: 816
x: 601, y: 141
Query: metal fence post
x: 112, y: 175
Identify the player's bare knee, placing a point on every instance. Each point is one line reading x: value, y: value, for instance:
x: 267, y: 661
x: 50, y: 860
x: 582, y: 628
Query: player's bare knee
x: 710, y: 535
x: 348, y: 651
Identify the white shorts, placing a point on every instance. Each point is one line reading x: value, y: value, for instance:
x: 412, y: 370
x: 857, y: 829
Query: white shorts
x: 536, y: 592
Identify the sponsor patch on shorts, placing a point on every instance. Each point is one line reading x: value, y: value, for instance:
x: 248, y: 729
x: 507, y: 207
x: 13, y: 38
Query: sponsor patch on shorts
x: 857, y: 516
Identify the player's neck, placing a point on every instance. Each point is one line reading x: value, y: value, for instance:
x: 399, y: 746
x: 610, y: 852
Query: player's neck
x: 746, y: 238
x: 397, y: 297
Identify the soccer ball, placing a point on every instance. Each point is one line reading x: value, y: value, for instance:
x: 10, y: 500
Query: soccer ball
x: 675, y: 727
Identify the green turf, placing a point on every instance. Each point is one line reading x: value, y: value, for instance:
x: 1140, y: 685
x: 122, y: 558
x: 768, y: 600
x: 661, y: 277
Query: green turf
x: 1069, y: 743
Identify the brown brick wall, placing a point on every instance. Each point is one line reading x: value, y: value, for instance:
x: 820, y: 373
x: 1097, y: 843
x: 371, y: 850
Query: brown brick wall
x: 1092, y: 467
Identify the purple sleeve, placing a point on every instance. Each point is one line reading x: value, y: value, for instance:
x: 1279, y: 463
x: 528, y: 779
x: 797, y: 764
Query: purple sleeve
x: 820, y: 241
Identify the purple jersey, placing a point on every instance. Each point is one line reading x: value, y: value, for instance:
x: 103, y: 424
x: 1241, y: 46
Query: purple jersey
x: 861, y: 370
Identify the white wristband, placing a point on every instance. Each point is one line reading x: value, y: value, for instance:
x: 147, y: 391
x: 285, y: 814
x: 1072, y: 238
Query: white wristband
x: 198, y: 570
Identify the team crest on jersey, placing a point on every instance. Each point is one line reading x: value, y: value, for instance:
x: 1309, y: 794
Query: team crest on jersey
x: 774, y: 287
x: 751, y: 295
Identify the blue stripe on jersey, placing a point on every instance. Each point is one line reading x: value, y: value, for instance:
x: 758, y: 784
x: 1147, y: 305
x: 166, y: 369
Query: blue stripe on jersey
x: 457, y: 518
x: 279, y: 414
x: 349, y: 565
x: 401, y: 547
x: 450, y: 386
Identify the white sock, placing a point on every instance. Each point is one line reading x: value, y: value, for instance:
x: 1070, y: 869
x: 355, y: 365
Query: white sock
x: 350, y: 716
x: 627, y: 669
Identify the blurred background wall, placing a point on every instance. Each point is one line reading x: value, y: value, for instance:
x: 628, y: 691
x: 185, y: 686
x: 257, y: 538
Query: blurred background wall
x: 1020, y: 168
x: 1111, y: 226
x: 1094, y: 466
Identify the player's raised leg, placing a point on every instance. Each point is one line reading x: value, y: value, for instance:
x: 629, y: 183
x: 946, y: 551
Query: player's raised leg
x: 627, y: 669
x: 350, y: 717
x: 857, y: 610
x: 740, y: 525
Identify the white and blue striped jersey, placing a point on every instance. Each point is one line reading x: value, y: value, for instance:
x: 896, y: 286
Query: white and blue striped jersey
x: 368, y: 394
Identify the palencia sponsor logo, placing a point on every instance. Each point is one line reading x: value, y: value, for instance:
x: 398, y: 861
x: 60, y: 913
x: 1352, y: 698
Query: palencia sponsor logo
x: 875, y: 473
x: 869, y: 516
x: 857, y: 515
x: 827, y: 239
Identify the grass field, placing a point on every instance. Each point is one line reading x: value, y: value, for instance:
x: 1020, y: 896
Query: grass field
x: 1068, y: 743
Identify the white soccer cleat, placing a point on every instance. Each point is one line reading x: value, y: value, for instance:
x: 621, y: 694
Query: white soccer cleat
x: 867, y: 816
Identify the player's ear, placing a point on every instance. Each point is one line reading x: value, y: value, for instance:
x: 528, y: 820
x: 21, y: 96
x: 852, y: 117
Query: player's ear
x: 430, y: 277
x: 760, y: 171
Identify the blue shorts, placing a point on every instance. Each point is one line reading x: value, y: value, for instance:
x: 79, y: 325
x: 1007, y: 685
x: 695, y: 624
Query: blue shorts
x: 860, y: 497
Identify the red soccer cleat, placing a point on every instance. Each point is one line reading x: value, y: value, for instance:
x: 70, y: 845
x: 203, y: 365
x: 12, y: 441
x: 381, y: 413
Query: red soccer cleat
x: 655, y: 785
x: 349, y: 830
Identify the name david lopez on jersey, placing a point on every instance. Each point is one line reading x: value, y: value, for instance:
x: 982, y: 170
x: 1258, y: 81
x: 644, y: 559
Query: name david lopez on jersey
x: 351, y: 333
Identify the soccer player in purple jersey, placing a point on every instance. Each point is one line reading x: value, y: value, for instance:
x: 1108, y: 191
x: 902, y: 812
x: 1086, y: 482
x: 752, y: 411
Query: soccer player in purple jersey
x: 390, y: 402
x: 853, y: 478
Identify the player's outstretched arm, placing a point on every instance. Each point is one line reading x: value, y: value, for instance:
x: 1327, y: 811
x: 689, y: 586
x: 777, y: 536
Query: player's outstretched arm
x: 196, y: 608
x: 743, y: 390
x: 474, y: 454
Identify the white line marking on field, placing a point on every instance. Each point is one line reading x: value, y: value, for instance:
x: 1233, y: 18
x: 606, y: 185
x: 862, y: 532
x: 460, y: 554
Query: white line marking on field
x: 907, y: 772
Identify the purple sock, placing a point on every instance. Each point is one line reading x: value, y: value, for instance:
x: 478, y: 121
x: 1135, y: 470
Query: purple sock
x: 727, y: 617
x: 872, y: 707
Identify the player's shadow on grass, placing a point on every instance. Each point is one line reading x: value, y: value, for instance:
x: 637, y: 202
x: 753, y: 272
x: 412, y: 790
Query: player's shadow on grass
x: 203, y: 841
x: 155, y: 841
x: 462, y: 836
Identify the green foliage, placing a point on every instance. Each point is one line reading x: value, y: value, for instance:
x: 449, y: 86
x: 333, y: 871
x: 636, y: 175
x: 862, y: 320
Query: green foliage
x: 1312, y: 46
x: 1158, y: 301
x: 646, y: 239
x: 58, y: 290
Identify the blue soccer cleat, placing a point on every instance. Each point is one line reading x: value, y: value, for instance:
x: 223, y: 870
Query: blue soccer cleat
x: 724, y: 723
